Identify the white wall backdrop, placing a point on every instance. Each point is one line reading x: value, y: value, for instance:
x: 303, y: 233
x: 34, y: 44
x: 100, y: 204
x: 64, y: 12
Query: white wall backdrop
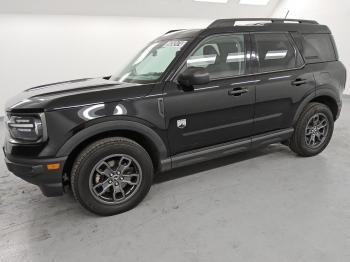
x: 335, y: 14
x: 39, y: 49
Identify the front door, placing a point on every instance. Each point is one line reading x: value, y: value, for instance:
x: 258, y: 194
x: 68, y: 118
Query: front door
x: 217, y: 112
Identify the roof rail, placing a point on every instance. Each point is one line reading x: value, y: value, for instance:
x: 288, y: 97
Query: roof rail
x: 231, y: 22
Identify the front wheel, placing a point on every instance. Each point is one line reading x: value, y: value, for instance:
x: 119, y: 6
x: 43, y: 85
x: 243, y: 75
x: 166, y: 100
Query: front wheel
x: 111, y: 176
x: 313, y: 131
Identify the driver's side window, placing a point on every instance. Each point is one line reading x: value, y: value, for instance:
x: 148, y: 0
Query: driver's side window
x: 223, y: 56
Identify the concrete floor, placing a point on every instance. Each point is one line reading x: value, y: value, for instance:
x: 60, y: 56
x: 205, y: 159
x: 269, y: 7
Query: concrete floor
x: 265, y: 205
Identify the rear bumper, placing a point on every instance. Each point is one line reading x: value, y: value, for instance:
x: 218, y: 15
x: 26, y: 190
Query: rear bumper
x: 35, y: 171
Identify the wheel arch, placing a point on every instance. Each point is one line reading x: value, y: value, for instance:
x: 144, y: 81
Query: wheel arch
x: 330, y: 102
x: 326, y: 97
x: 138, y: 132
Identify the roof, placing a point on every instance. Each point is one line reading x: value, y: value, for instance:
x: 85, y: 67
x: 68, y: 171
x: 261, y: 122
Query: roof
x: 268, y: 24
x: 233, y: 21
x: 256, y: 25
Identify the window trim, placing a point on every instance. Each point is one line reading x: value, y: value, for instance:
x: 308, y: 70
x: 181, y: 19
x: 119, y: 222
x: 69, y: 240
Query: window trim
x: 247, y: 53
x: 255, y: 62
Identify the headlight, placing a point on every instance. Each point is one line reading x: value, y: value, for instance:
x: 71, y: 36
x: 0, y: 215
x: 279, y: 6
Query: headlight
x: 27, y: 128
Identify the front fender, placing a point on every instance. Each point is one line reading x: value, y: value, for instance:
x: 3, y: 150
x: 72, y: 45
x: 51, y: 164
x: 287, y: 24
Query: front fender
x: 113, y: 125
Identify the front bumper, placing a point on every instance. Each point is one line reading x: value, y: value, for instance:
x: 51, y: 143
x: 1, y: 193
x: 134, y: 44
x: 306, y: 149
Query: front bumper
x: 35, y: 171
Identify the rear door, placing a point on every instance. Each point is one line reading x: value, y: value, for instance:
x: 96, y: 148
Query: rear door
x: 282, y: 81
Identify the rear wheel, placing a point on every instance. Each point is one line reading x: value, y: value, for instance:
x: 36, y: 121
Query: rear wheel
x: 112, y: 176
x: 313, y: 130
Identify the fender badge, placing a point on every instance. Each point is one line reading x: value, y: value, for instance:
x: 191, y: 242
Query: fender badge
x: 181, y: 123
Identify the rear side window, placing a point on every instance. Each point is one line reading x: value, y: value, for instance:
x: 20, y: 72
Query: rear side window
x: 318, y: 48
x: 275, y: 52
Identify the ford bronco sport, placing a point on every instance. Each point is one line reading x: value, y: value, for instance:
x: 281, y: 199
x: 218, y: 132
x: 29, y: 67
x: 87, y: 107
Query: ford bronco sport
x: 189, y: 96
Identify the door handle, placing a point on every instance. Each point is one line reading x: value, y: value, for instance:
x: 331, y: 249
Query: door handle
x: 299, y: 82
x: 237, y: 91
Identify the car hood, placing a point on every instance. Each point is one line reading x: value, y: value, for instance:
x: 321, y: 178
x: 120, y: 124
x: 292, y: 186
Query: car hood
x: 74, y: 93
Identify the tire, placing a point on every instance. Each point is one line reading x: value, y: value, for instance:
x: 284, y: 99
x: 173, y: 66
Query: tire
x: 99, y: 164
x: 301, y: 142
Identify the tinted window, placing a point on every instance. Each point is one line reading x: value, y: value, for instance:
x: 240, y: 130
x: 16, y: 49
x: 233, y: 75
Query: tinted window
x: 222, y: 56
x: 318, y: 48
x: 276, y: 52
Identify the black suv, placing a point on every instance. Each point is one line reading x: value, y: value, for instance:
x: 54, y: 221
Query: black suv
x: 189, y: 96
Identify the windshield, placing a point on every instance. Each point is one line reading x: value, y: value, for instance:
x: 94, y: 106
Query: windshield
x: 151, y: 62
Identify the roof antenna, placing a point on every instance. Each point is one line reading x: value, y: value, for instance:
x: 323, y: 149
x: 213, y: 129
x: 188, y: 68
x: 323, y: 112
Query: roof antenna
x: 286, y: 14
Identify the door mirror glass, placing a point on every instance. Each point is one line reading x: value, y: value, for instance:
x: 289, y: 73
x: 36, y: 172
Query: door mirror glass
x: 193, y: 76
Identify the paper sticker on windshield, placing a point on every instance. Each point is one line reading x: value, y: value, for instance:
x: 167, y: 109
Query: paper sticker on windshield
x: 176, y: 43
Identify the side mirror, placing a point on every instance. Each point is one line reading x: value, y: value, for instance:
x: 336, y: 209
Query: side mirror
x: 193, y: 76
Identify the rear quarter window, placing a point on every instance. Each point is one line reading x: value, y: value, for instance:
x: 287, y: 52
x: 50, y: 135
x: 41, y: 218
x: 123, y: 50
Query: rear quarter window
x: 318, y: 48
